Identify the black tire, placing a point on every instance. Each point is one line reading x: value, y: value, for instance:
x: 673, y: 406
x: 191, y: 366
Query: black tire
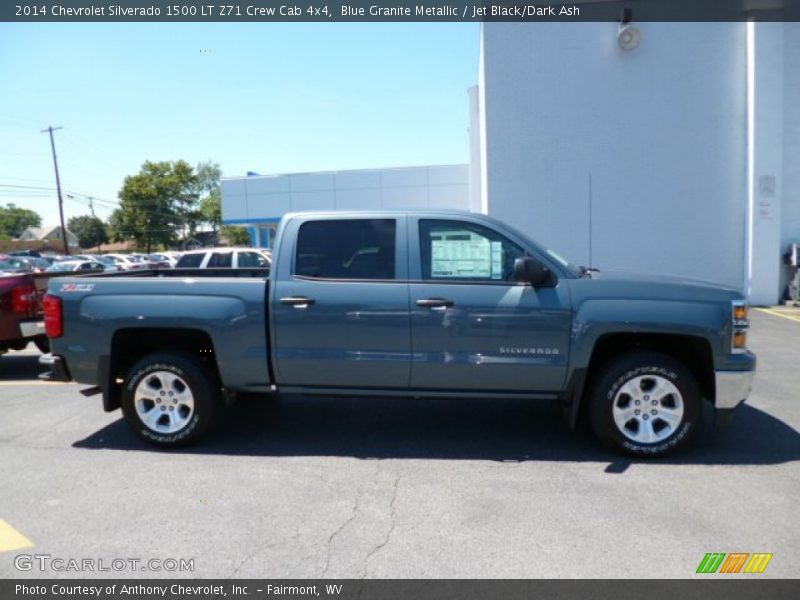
x: 658, y: 425
x: 42, y: 343
x: 185, y: 373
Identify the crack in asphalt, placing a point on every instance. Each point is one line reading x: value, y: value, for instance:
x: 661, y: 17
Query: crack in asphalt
x: 392, y: 524
x: 332, y: 536
x: 259, y: 550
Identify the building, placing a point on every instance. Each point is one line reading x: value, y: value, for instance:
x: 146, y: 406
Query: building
x: 680, y: 156
x: 259, y: 201
x: 50, y: 235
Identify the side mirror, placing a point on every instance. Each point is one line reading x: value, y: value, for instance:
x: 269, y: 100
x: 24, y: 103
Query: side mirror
x: 532, y: 271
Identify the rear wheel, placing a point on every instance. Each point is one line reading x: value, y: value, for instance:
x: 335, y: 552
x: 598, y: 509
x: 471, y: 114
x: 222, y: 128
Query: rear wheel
x: 645, y: 404
x: 170, y: 399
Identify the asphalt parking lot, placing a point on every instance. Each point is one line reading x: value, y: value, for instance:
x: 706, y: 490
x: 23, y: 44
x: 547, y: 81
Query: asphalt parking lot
x: 306, y: 488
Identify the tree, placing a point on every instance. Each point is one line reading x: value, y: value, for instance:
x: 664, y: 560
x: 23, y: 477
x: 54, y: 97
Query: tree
x: 210, y: 212
x: 91, y: 231
x: 156, y: 203
x: 13, y: 220
x: 236, y: 236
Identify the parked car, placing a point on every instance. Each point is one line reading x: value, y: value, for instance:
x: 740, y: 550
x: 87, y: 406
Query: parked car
x: 83, y: 266
x: 128, y: 262
x: 109, y: 265
x: 223, y: 258
x: 161, y: 261
x: 38, y: 265
x: 18, y: 263
x: 420, y: 304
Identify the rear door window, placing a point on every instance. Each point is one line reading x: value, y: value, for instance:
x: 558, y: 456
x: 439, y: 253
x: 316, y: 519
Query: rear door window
x: 222, y: 260
x: 346, y: 249
x: 250, y: 259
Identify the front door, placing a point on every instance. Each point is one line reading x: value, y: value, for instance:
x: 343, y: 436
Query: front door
x: 472, y: 327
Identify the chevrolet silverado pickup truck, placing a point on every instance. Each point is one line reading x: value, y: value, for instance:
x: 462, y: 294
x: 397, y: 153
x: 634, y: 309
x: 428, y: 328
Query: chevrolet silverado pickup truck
x: 407, y: 304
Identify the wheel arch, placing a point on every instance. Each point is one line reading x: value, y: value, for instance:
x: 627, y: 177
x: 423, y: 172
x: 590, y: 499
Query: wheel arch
x: 694, y: 352
x: 128, y: 345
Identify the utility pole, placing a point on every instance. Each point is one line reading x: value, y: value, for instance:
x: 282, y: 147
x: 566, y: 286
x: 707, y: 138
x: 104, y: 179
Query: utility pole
x: 51, y: 129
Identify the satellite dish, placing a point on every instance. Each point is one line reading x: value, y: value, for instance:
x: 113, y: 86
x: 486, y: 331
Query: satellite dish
x: 628, y: 37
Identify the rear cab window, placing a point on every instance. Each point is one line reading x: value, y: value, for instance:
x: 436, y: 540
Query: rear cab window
x: 346, y: 249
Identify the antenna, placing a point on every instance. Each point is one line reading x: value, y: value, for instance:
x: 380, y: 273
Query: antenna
x: 590, y: 220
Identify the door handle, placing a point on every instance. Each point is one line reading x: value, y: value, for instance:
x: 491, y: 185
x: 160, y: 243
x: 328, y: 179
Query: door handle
x: 298, y: 301
x: 435, y: 303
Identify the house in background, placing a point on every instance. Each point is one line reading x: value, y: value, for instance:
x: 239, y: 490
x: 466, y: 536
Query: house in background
x: 48, y: 234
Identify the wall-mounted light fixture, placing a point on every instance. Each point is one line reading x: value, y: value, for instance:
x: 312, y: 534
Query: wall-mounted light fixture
x: 628, y: 36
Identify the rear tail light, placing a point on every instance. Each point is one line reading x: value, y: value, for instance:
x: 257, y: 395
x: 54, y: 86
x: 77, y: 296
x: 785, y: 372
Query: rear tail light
x: 53, y: 316
x: 23, y: 300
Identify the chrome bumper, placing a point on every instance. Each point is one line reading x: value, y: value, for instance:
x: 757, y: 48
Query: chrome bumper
x: 733, y: 387
x: 57, y: 368
x: 31, y: 328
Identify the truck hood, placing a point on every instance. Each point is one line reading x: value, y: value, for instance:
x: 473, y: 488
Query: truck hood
x: 632, y: 285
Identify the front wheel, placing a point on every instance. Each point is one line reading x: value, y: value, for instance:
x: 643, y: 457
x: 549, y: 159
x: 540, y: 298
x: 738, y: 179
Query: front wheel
x: 170, y: 399
x: 645, y: 404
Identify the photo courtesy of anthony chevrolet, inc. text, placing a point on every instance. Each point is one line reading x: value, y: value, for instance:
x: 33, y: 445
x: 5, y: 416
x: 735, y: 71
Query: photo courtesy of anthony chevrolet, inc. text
x: 400, y: 300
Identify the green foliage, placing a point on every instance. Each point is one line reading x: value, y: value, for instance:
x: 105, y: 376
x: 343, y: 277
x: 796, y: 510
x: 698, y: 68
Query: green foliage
x: 156, y: 204
x: 13, y: 220
x: 210, y: 212
x: 91, y: 231
x: 236, y: 236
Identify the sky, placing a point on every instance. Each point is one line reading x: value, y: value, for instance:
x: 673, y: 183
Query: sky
x: 264, y: 97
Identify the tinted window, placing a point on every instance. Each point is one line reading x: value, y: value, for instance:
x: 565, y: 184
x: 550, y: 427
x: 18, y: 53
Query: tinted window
x: 190, y: 261
x: 456, y: 250
x: 251, y: 259
x: 353, y: 249
x: 220, y: 260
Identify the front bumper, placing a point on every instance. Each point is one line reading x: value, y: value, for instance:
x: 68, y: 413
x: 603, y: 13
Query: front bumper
x: 733, y: 387
x: 57, y: 368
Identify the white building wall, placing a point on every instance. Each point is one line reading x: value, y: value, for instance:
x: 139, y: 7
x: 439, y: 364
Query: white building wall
x: 767, y: 160
x: 257, y: 199
x: 630, y: 160
x: 790, y: 209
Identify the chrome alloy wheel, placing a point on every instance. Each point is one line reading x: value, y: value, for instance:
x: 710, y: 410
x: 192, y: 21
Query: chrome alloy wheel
x: 164, y: 402
x: 648, y: 409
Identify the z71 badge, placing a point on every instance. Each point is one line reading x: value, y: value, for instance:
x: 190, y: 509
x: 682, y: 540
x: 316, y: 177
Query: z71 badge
x: 77, y: 287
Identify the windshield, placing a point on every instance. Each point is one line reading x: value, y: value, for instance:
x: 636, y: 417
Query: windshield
x: 557, y: 258
x: 62, y: 267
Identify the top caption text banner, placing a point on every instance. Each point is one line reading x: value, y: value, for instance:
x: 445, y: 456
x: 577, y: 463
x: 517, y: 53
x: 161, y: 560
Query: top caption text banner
x: 397, y: 11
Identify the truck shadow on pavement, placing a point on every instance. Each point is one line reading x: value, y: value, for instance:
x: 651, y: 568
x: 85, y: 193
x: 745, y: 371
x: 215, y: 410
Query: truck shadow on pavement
x: 20, y: 367
x: 507, y: 431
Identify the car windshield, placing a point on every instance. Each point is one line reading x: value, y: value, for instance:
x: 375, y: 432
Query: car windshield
x: 62, y: 266
x: 7, y: 266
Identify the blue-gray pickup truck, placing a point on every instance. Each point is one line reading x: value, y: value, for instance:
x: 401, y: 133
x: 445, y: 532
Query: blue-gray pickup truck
x: 407, y: 304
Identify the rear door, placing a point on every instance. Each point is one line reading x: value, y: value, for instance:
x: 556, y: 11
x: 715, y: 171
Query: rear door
x: 473, y: 328
x: 339, y: 303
